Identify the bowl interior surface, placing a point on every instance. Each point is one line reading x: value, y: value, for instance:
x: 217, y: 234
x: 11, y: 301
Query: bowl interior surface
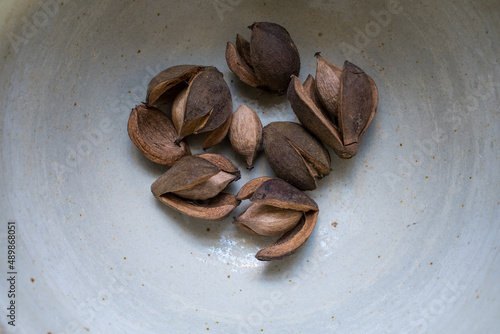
x: 407, y: 237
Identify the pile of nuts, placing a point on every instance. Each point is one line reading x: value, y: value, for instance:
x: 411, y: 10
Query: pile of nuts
x: 334, y: 108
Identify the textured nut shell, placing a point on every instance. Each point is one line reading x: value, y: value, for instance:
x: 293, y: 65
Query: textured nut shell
x: 291, y: 241
x: 250, y: 187
x: 243, y: 48
x: 179, y: 109
x: 208, y: 93
x: 314, y: 119
x: 239, y: 67
x: 291, y: 152
x: 214, y: 137
x: 312, y: 150
x: 357, y: 103
x: 165, y: 86
x: 185, y: 128
x: 186, y: 173
x: 248, y: 230
x: 207, y: 189
x: 267, y: 220
x: 328, y: 84
x: 309, y: 87
x: 274, y: 56
x: 154, y: 135
x: 214, y: 209
x: 221, y: 162
x: 319, y: 164
x: 280, y: 194
x: 286, y: 161
x: 245, y: 133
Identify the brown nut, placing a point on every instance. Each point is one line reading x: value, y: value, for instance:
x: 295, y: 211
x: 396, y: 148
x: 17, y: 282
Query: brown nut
x: 340, y: 109
x: 250, y: 187
x: 328, y: 84
x: 202, y: 100
x: 215, y: 136
x: 281, y: 194
x: 358, y: 101
x: 268, y: 220
x: 213, y: 209
x: 295, y: 155
x: 193, y: 186
x: 165, y: 86
x: 291, y: 241
x: 268, y: 60
x: 204, y: 105
x: 154, y: 135
x: 245, y: 133
x: 277, y: 209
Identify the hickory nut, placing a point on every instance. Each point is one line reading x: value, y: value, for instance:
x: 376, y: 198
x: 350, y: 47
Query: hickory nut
x: 245, y: 133
x: 267, y: 61
x: 193, y: 186
x: 155, y: 136
x: 278, y: 209
x: 295, y: 155
x: 201, y: 101
x: 337, y: 107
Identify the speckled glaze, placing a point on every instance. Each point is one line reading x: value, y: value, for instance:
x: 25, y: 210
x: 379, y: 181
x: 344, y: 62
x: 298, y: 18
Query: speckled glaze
x: 407, y: 236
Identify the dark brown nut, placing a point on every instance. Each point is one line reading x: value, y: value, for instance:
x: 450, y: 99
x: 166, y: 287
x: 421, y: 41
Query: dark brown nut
x: 202, y: 101
x: 281, y: 194
x: 295, y: 155
x: 155, y: 136
x: 268, y: 60
x: 194, y: 184
x: 165, y: 86
x: 204, y: 105
x: 278, y: 209
x: 243, y: 48
x: 245, y: 133
x: 357, y: 103
x: 341, y: 107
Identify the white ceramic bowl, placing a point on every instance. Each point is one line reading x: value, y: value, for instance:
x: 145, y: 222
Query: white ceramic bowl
x: 407, y: 238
